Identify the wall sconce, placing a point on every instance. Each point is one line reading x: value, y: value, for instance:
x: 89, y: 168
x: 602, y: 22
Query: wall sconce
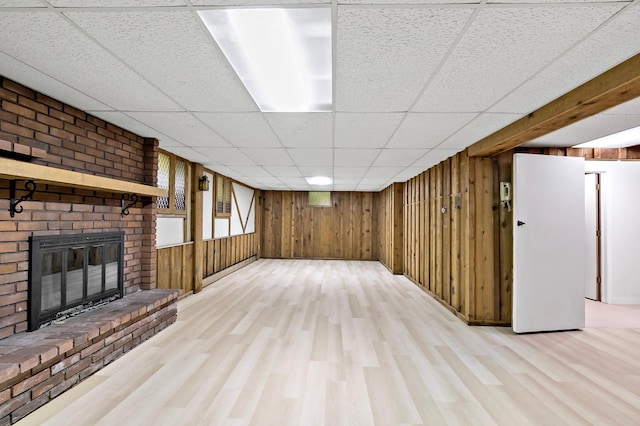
x: 203, y: 183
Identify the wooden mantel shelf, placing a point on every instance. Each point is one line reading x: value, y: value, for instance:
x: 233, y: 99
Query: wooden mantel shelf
x: 13, y: 169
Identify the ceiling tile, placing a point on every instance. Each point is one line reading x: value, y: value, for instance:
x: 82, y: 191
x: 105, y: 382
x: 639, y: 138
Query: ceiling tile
x: 129, y: 123
x: 286, y: 171
x: 255, y: 2
x: 229, y: 157
x: 297, y: 181
x: 433, y: 157
x: 276, y: 187
x: 316, y: 171
x: 483, y: 63
x: 381, y: 44
x: 298, y: 130
x: 528, y: 2
x: 182, y: 127
x: 166, y: 143
x: 77, y: 62
x: 269, y: 181
x: 186, y: 152
x: 374, y: 181
x: 30, y: 77
x: 370, y: 188
x: 611, y: 44
x: 428, y: 130
x: 269, y: 156
x: 407, y: 174
x: 349, y: 187
x: 349, y: 172
x: 399, y: 157
x: 355, y: 157
x: 172, y: 52
x: 403, y: 2
x: 223, y: 170
x: 241, y: 129
x: 628, y: 108
x: 383, y: 172
x: 371, y: 130
x: 21, y: 3
x: 254, y: 172
x: 480, y: 127
x: 115, y: 3
x: 586, y: 130
x: 312, y: 157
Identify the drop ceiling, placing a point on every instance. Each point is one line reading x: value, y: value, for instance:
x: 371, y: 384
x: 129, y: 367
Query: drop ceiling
x: 414, y: 82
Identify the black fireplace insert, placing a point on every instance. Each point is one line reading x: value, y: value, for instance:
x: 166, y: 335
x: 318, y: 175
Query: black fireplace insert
x: 70, y: 274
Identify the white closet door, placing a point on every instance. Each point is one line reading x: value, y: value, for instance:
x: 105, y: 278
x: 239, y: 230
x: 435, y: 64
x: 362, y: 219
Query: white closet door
x: 548, y: 243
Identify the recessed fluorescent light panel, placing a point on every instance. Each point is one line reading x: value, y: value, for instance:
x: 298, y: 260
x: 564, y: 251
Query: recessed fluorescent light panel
x: 319, y: 180
x: 283, y: 56
x: 622, y: 139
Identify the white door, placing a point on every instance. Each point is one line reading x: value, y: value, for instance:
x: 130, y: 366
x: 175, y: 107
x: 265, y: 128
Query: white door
x: 591, y: 237
x: 548, y: 243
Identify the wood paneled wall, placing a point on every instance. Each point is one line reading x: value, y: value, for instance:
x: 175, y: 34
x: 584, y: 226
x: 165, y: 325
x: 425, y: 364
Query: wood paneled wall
x: 291, y: 229
x: 458, y: 239
x: 453, y: 245
x: 390, y: 227
x: 175, y: 263
x: 175, y: 267
x: 221, y: 253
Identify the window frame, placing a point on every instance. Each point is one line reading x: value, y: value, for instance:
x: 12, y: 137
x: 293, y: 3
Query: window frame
x: 320, y: 206
x: 227, y: 185
x: 171, y: 191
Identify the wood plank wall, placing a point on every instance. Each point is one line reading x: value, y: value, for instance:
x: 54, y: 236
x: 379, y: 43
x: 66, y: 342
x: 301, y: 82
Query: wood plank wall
x: 453, y: 246
x: 221, y: 253
x: 347, y: 230
x: 175, y: 267
x: 391, y: 227
x: 175, y: 263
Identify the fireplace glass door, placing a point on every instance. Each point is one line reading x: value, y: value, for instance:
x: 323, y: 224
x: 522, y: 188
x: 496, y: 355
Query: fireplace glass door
x: 70, y: 273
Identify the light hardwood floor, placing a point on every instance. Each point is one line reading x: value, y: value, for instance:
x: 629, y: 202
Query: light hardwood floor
x: 306, y: 342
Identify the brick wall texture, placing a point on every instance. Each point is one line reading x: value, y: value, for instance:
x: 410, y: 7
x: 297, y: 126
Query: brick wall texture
x: 54, y: 134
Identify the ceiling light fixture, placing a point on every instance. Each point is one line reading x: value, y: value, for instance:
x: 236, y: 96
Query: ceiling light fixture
x: 622, y: 139
x: 283, y: 56
x: 319, y: 180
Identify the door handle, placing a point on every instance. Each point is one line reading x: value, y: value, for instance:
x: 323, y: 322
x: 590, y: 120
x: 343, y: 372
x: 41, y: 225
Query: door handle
x: 520, y: 223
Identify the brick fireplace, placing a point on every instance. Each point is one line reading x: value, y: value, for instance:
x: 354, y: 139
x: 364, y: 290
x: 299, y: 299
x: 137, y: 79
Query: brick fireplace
x: 40, y: 131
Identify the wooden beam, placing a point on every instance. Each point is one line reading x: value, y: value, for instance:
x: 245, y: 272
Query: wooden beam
x: 13, y: 169
x: 615, y: 86
x: 197, y: 201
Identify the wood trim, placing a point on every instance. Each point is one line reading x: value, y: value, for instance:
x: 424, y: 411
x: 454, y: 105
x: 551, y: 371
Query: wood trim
x: 613, y: 87
x: 234, y: 197
x: 13, y: 169
x: 197, y: 198
x: 231, y: 269
x: 246, y: 220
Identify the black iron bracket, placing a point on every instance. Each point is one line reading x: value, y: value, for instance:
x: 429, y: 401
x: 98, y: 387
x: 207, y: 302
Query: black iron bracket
x: 13, y: 203
x: 125, y: 208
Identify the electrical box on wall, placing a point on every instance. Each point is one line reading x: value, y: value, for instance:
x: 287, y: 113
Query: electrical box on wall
x: 505, y: 191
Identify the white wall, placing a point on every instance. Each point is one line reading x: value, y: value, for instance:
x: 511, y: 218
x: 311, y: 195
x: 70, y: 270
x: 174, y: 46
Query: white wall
x: 620, y: 186
x: 221, y: 227
x: 242, y: 205
x: 243, y: 216
x: 169, y: 231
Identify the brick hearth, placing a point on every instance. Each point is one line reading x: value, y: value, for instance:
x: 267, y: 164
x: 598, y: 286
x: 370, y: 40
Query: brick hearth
x: 36, y: 367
